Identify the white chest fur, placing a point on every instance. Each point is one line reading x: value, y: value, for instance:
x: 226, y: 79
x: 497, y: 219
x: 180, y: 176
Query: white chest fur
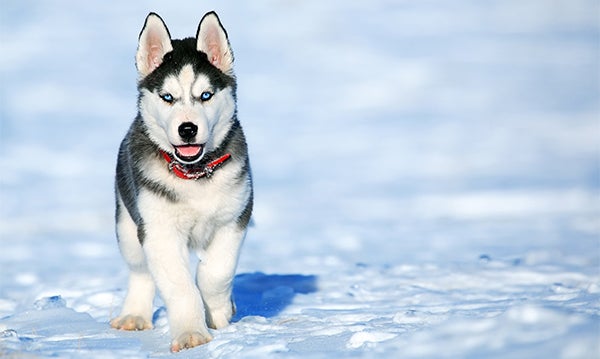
x: 200, y: 206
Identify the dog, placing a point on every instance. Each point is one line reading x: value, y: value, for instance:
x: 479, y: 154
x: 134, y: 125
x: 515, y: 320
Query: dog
x: 183, y: 183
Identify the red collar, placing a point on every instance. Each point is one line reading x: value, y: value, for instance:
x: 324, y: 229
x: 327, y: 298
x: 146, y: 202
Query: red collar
x: 194, y: 173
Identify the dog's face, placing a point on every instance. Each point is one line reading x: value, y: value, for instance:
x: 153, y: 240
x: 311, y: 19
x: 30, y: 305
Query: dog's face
x: 187, y: 89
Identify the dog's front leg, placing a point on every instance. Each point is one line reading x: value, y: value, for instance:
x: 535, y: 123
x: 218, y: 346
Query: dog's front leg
x: 216, y: 271
x: 137, y: 309
x: 168, y: 260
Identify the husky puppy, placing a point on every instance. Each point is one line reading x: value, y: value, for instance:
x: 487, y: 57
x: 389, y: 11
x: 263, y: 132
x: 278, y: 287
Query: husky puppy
x: 183, y: 183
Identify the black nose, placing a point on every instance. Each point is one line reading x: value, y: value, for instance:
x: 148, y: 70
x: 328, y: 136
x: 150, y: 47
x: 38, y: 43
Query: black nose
x: 187, y: 131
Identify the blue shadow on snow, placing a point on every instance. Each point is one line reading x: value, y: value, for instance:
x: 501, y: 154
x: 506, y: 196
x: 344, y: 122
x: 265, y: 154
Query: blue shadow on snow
x: 266, y: 295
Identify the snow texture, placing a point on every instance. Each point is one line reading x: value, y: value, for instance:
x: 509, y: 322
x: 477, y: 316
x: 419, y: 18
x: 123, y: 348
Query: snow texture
x: 427, y: 178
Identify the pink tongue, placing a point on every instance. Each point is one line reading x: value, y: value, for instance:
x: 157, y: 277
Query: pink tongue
x: 189, y: 151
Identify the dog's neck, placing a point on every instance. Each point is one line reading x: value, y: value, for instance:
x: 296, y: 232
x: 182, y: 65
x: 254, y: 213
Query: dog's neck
x: 194, y: 172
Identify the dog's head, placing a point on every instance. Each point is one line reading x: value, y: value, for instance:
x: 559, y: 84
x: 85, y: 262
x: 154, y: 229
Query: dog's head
x: 186, y: 87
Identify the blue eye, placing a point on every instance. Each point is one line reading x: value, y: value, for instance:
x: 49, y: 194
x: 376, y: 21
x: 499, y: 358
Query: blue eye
x: 206, y: 95
x: 168, y: 98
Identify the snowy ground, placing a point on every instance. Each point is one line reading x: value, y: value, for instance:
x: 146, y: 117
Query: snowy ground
x: 427, y: 178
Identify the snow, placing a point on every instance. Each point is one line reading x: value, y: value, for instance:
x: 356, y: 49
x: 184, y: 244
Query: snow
x: 427, y: 178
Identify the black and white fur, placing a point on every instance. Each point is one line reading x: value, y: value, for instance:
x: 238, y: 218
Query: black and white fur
x: 187, y: 108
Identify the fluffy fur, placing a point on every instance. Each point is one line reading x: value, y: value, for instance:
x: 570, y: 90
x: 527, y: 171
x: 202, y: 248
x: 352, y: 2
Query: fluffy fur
x: 187, y: 108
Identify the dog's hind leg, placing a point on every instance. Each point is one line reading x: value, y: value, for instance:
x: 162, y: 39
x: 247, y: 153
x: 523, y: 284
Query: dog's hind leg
x: 216, y: 271
x: 137, y: 309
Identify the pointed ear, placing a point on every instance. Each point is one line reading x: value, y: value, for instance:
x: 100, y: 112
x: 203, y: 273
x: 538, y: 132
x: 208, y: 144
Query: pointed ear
x: 153, y: 44
x: 212, y: 40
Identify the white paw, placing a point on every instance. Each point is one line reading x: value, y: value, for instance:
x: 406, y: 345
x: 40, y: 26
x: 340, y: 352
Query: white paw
x: 131, y: 322
x: 220, y: 318
x: 189, y: 340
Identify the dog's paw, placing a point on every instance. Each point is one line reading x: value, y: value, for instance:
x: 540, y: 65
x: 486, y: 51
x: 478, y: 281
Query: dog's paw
x: 189, y: 340
x: 130, y: 322
x: 220, y: 318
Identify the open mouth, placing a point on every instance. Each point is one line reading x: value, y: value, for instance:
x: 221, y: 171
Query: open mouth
x: 189, y: 153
